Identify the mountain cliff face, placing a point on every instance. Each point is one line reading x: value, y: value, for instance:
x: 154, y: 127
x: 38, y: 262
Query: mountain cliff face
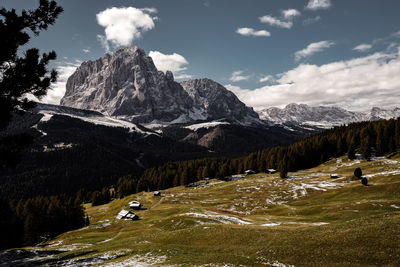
x: 128, y: 85
x: 216, y: 102
x: 322, y: 116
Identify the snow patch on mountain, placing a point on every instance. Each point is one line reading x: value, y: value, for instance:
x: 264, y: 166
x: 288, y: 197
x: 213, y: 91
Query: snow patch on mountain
x: 89, y: 116
x: 206, y: 125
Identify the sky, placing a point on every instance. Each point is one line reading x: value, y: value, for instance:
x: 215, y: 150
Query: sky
x: 342, y: 53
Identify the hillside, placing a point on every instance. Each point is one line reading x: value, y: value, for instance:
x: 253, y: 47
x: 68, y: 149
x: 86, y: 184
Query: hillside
x: 308, y: 219
x: 74, y: 148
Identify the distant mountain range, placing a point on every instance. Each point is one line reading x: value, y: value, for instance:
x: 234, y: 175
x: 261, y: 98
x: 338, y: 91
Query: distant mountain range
x: 322, y: 117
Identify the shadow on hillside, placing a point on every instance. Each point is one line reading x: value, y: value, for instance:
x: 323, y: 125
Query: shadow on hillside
x: 23, y: 257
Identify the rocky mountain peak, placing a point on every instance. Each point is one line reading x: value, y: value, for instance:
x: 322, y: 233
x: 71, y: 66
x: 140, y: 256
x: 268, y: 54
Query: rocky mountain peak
x: 127, y: 84
x: 218, y: 102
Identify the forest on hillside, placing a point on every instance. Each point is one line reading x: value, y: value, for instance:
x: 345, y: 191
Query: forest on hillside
x: 378, y: 137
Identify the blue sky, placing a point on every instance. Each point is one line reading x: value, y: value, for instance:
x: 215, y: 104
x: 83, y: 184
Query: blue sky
x: 270, y: 53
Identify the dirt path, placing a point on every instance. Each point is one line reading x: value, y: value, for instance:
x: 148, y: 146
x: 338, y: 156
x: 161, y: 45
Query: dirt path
x: 154, y: 206
x: 157, y: 204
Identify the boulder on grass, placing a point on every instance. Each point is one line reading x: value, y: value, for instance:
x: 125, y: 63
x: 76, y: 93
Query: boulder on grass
x: 364, y: 181
x: 358, y: 173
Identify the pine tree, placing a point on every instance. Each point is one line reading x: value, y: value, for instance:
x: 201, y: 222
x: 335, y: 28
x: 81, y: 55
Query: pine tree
x: 283, y: 168
x: 27, y: 73
x: 351, y: 153
x: 366, y: 143
x: 185, y: 177
x: 205, y: 173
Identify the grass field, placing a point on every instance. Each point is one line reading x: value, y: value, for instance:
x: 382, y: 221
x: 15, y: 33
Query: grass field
x: 308, y: 219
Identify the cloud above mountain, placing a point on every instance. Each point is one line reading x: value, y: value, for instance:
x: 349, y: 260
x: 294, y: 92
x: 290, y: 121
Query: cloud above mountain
x: 347, y: 84
x: 286, y: 20
x: 57, y: 89
x: 312, y: 49
x: 318, y: 4
x: 175, y: 63
x: 123, y: 25
x: 252, y: 32
x: 272, y: 21
x: 362, y: 47
x: 290, y: 13
x: 238, y: 76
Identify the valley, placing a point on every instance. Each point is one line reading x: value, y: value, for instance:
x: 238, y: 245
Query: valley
x: 307, y: 219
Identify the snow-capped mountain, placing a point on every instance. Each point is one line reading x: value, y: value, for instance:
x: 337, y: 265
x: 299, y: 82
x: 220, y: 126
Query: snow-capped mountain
x: 128, y: 85
x: 383, y: 114
x: 324, y: 117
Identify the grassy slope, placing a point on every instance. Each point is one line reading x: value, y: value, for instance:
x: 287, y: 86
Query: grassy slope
x: 346, y: 225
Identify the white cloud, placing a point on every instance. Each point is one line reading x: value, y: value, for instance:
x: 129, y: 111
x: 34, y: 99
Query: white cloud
x: 252, y: 32
x: 290, y: 13
x: 311, y: 20
x: 150, y: 10
x: 57, y: 89
x: 238, y: 76
x: 124, y: 25
x: 86, y: 51
x: 348, y: 84
x: 318, y: 4
x: 286, y: 20
x: 241, y: 93
x: 267, y: 78
x: 276, y: 22
x: 173, y: 62
x: 362, y: 47
x: 312, y: 48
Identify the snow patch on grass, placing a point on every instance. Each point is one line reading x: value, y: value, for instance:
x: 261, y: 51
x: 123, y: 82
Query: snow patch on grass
x: 138, y: 260
x: 271, y: 224
x: 387, y: 173
x: 349, y: 164
x: 220, y: 218
x: 75, y: 246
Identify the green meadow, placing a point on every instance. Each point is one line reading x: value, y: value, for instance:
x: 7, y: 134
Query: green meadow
x: 308, y: 219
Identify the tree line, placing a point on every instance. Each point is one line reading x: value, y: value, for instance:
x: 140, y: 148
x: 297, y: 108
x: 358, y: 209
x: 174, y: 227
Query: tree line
x: 366, y: 138
x: 27, y: 222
